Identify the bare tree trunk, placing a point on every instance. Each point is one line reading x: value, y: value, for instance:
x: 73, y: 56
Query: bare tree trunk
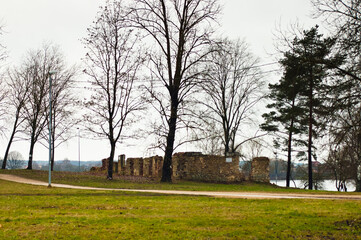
x: 167, y: 164
x: 15, y: 125
x: 53, y: 142
x: 358, y: 185
x: 310, y: 124
x: 52, y: 153
x: 226, y: 145
x: 358, y: 178
x: 226, y: 136
x: 8, y: 149
x: 31, y: 151
x: 337, y: 181
x: 289, y: 154
x: 111, y: 160
x: 10, y: 142
x: 6, y: 156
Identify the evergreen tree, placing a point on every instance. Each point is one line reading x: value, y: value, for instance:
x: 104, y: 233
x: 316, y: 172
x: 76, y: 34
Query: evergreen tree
x: 314, y: 55
x: 285, y: 97
x: 301, y: 97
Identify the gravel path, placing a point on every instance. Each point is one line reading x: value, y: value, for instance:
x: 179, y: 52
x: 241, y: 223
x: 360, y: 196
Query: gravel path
x: 247, y: 195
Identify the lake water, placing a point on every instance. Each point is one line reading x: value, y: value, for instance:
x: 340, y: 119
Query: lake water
x: 328, y: 185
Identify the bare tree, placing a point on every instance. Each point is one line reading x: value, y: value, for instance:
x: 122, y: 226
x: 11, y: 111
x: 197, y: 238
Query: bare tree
x: 233, y: 87
x: 208, y: 136
x: 346, y: 140
x: 15, y: 160
x: 180, y: 30
x: 3, y: 89
x: 63, y: 108
x: 17, y: 96
x: 38, y: 65
x: 113, y: 63
x: 339, y: 164
x: 344, y: 18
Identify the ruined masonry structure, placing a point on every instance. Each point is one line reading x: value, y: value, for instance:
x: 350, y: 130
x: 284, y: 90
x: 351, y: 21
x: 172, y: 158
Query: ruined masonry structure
x: 147, y: 167
x: 209, y: 168
x: 192, y: 166
x: 260, y: 170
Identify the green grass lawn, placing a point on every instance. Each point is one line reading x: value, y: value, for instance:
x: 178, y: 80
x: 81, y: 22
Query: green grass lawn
x: 99, y: 180
x: 35, y: 212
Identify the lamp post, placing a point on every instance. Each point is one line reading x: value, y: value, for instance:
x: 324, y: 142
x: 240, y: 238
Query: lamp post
x: 79, y: 147
x: 50, y: 122
x: 276, y: 167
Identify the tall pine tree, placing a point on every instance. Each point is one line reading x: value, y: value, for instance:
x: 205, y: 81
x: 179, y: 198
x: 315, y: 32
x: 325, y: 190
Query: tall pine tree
x: 285, y: 118
x: 304, y: 88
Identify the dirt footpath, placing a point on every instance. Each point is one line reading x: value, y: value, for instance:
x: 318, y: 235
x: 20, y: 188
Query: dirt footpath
x: 245, y: 195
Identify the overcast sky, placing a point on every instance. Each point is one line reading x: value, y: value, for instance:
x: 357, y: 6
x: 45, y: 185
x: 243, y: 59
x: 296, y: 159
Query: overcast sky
x: 29, y: 23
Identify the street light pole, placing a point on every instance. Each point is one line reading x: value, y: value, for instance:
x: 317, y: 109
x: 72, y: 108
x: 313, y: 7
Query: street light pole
x: 276, y: 167
x: 50, y: 123
x: 79, y: 147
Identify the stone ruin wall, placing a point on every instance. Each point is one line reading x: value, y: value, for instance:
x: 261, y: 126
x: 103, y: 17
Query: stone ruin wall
x: 146, y: 167
x: 259, y: 168
x: 192, y: 166
x: 208, y: 168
